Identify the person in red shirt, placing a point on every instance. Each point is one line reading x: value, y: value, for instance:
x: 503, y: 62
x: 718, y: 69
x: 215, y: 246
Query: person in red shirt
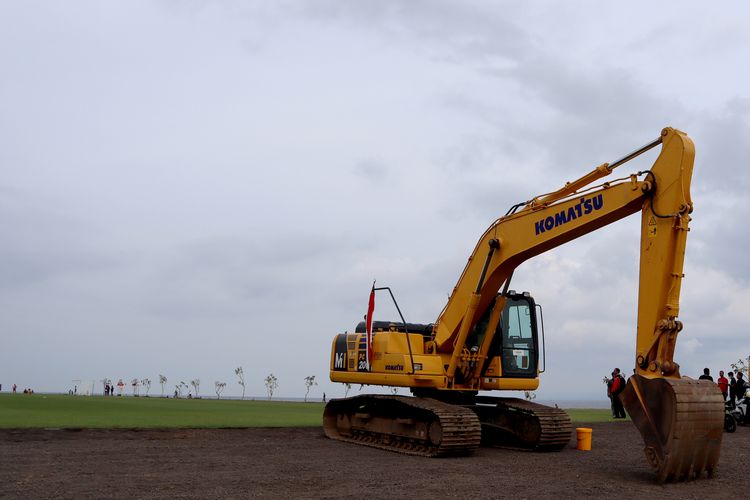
x: 723, y: 384
x: 618, y: 385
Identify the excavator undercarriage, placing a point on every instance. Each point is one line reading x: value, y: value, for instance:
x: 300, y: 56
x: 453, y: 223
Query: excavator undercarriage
x: 432, y: 428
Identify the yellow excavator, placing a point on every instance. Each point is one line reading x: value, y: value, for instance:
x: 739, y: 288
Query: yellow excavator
x: 489, y: 337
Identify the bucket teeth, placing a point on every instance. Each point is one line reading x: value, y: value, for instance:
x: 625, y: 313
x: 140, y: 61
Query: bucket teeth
x: 681, y: 421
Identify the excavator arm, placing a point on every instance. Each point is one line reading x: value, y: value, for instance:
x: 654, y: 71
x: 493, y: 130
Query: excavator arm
x: 662, y: 195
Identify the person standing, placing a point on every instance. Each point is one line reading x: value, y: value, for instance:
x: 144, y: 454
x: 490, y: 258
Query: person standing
x: 732, y: 386
x: 723, y: 384
x: 706, y: 375
x: 609, y: 394
x: 740, y: 387
x: 618, y: 385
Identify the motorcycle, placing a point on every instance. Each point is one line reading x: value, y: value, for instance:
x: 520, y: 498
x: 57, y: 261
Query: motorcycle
x: 730, y: 424
x: 741, y: 409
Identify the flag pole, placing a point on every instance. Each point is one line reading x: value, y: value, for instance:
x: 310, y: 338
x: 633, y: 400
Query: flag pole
x: 368, y: 325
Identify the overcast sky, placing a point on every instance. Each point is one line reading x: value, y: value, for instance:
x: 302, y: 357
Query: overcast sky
x: 187, y: 187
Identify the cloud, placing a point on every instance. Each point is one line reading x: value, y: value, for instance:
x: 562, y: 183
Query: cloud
x: 40, y: 245
x: 223, y: 188
x: 371, y: 170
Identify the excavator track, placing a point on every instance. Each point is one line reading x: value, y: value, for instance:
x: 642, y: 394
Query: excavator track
x: 516, y: 423
x: 414, y: 426
x: 681, y: 421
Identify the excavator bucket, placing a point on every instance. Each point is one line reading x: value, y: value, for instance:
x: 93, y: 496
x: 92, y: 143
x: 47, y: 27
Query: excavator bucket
x: 681, y: 421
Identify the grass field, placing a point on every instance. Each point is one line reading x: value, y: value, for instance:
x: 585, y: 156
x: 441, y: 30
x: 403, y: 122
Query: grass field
x: 22, y: 410
x: 59, y: 411
x: 591, y: 415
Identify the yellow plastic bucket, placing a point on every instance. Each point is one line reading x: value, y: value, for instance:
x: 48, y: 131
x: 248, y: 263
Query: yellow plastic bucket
x: 584, y: 438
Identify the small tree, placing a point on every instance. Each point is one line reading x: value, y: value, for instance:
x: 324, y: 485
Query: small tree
x: 394, y: 390
x: 179, y: 388
x: 238, y: 371
x: 529, y: 395
x: 219, y: 386
x: 348, y: 388
x: 741, y: 366
x: 196, y: 385
x: 309, y: 382
x: 135, y: 383
x: 162, y: 381
x: 271, y: 384
x: 147, y: 384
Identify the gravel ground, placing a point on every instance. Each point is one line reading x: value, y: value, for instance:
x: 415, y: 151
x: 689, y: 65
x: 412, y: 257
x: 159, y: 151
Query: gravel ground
x: 302, y: 463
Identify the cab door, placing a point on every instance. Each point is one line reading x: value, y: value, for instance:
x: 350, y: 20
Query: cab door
x: 520, y: 354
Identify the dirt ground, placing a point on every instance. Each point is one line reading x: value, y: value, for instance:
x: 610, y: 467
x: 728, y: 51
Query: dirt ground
x: 302, y: 463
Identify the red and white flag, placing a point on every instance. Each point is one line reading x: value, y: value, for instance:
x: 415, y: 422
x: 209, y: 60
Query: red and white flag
x: 368, y: 323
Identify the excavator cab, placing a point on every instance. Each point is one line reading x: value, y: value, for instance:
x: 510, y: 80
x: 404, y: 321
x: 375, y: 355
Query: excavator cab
x: 515, y: 346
